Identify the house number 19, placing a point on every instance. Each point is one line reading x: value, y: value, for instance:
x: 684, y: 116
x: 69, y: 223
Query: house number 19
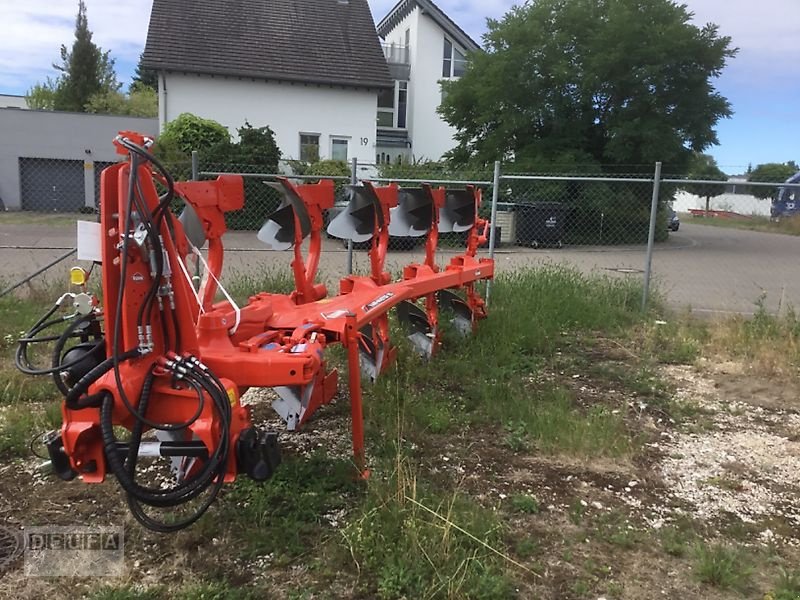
x: 364, y: 141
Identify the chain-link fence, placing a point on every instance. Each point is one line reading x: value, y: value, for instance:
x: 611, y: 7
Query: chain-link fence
x: 713, y: 246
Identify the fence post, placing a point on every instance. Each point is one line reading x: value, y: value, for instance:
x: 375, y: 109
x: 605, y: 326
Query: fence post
x: 196, y: 279
x: 353, y: 181
x: 651, y: 235
x: 492, y: 219
x: 195, y: 166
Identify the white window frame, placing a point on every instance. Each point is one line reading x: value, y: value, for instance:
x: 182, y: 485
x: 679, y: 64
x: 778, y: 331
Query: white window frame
x: 396, y: 104
x: 453, y: 49
x: 339, y: 138
x: 300, y: 143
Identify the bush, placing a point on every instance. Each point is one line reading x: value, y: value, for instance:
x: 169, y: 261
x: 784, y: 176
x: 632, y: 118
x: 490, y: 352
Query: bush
x: 189, y: 132
x: 254, y: 152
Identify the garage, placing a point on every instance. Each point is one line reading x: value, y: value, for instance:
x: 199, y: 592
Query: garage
x: 51, y: 185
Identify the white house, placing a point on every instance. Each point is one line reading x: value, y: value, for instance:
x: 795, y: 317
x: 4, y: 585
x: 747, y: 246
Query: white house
x: 310, y: 69
x: 423, y: 46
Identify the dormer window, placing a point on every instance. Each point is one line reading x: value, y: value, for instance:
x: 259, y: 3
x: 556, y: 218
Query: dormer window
x: 454, y: 62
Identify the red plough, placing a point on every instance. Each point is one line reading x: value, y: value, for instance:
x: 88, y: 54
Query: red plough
x: 161, y: 357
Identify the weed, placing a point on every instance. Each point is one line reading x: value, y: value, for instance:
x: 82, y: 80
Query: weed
x: 720, y: 565
x: 285, y: 514
x: 577, y: 510
x: 615, y: 528
x: 788, y: 587
x: 219, y: 590
x: 127, y: 592
x: 525, y: 504
x: 241, y: 284
x: 675, y: 541
x: 416, y: 554
x: 516, y: 437
x: 725, y: 482
x: 18, y: 425
x: 527, y: 547
x: 581, y: 588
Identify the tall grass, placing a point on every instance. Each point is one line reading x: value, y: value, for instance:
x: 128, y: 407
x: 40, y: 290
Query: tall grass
x: 492, y: 378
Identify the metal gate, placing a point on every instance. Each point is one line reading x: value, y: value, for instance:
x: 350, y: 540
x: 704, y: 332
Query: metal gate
x: 52, y: 185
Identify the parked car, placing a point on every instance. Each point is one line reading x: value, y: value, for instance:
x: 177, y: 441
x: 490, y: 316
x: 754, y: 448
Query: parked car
x: 673, y: 222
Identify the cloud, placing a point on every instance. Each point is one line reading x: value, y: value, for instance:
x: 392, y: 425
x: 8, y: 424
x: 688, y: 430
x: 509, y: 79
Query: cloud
x: 766, y: 33
x: 34, y: 30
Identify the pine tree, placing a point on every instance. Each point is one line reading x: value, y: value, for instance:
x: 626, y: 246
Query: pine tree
x: 85, y: 69
x: 144, y: 77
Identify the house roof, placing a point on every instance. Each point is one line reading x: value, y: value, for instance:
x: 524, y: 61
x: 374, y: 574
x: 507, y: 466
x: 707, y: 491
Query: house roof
x: 329, y: 42
x: 404, y: 7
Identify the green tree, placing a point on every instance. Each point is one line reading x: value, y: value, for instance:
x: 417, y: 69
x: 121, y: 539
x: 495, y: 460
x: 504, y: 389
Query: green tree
x: 42, y: 96
x: 704, y: 167
x: 771, y: 173
x: 139, y: 102
x: 619, y: 83
x: 144, y: 77
x: 85, y: 71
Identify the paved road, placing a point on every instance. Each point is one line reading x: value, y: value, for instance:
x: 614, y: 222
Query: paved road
x: 707, y: 269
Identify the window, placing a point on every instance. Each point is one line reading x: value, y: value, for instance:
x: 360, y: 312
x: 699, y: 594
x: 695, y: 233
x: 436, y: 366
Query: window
x: 386, y: 108
x: 393, y: 106
x: 459, y: 63
x: 402, y: 103
x: 339, y: 148
x: 454, y: 62
x: 447, y: 63
x: 309, y: 147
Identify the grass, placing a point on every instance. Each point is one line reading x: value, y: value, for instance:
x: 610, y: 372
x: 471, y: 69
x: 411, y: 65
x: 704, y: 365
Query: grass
x: 28, y: 405
x: 407, y: 533
x: 524, y: 503
x: 285, y: 516
x: 721, y: 566
x: 241, y: 284
x: 788, y: 225
x: 788, y: 586
x: 536, y: 313
x: 22, y: 217
x: 422, y: 543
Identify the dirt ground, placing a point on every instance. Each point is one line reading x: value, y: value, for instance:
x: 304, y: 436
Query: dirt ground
x: 601, y: 528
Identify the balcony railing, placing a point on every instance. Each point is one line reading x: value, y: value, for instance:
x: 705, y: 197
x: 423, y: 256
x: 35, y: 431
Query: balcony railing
x: 396, y: 54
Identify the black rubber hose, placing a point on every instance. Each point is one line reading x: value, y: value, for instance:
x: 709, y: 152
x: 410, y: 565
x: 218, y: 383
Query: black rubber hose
x: 161, y: 497
x: 74, y: 400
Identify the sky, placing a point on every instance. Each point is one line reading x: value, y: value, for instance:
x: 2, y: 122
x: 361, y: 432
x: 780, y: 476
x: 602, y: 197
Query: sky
x: 762, y: 82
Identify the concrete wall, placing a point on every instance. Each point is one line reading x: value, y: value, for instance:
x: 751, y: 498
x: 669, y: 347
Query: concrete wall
x: 432, y: 136
x: 288, y: 109
x: 59, y: 135
x: 12, y: 101
x: 744, y: 204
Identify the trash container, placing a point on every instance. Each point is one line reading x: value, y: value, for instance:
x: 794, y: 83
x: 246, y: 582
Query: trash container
x: 540, y: 224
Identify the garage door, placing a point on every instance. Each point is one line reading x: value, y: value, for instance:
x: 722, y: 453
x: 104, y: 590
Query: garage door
x: 51, y: 185
x: 99, y: 165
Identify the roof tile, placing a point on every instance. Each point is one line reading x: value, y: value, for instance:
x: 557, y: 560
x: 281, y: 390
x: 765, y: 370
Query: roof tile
x: 312, y: 41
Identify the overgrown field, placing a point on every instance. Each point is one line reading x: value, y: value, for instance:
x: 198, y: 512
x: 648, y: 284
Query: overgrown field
x: 573, y: 448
